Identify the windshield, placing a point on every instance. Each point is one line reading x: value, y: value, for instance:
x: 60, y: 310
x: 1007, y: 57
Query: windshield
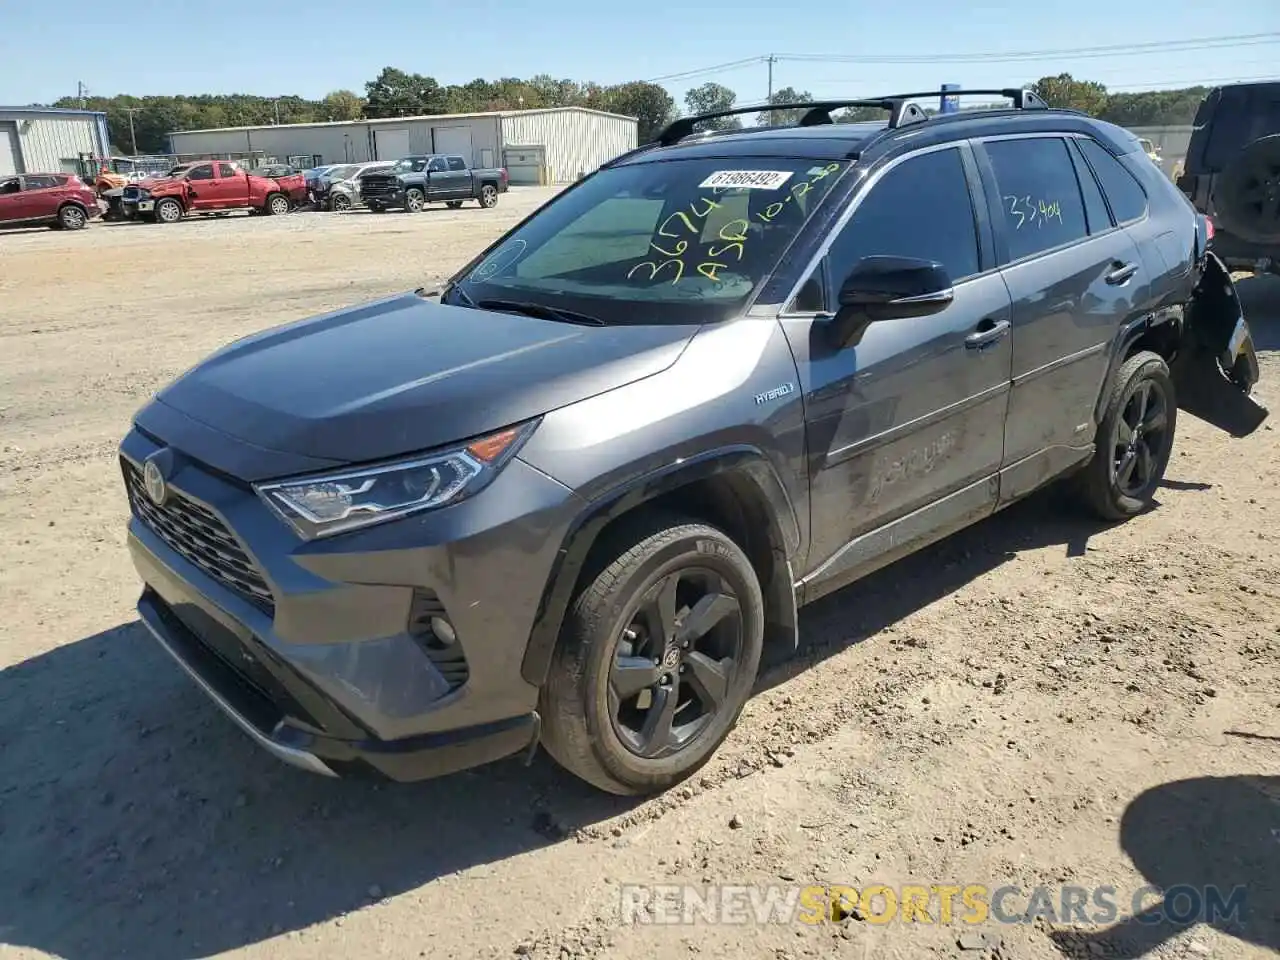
x: 694, y: 236
x: 410, y: 165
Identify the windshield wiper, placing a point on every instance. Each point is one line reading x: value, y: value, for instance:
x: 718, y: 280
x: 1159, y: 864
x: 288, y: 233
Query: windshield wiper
x: 541, y: 311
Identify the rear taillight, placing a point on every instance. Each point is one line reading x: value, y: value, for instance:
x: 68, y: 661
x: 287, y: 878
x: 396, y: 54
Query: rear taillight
x: 1208, y: 229
x: 504, y: 174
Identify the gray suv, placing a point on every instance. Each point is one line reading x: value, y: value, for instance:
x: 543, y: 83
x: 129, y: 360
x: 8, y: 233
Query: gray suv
x: 571, y: 497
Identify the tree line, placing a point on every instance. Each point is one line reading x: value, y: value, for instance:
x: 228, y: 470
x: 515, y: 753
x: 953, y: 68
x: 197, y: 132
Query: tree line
x: 142, y: 124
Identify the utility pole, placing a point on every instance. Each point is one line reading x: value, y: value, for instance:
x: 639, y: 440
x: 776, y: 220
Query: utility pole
x: 133, y: 137
x: 770, y: 60
x: 81, y: 92
x: 276, y: 103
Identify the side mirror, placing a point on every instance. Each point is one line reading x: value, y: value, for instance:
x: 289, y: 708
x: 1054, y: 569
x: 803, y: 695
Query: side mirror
x: 889, y: 288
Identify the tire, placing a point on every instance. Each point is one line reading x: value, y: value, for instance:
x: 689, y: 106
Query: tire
x: 277, y: 205
x: 595, y: 729
x: 1247, y: 196
x: 488, y: 196
x: 453, y: 204
x: 340, y: 203
x: 415, y: 201
x: 1120, y: 449
x: 168, y: 210
x: 72, y: 217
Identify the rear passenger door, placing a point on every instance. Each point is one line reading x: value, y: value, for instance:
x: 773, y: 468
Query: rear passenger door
x: 905, y: 427
x: 459, y: 183
x: 1075, y: 279
x: 42, y: 194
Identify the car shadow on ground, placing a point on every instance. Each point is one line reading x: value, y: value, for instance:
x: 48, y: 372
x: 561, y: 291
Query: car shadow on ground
x: 136, y: 821
x: 1212, y: 846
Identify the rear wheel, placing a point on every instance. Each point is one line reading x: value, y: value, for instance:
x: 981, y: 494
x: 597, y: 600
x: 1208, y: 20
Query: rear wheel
x: 277, y: 205
x: 1134, y: 440
x: 415, y: 200
x: 657, y: 657
x: 488, y: 195
x: 168, y: 210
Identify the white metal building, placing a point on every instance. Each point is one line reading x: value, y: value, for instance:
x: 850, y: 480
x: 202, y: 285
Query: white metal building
x: 47, y: 140
x: 554, y: 145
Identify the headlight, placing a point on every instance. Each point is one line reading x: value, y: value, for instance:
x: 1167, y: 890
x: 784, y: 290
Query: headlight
x: 322, y: 505
x: 144, y: 194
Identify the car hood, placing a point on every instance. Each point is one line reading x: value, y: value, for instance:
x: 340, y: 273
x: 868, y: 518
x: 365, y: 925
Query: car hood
x: 400, y: 375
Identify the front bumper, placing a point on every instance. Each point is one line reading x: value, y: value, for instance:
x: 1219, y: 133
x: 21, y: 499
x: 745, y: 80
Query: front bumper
x: 327, y: 672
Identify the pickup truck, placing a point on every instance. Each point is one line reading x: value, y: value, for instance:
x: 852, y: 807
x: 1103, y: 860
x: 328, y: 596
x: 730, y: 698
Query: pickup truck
x: 432, y: 178
x: 210, y: 186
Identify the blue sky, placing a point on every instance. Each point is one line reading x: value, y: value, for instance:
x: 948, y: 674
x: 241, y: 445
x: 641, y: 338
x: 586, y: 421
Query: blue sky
x: 310, y: 48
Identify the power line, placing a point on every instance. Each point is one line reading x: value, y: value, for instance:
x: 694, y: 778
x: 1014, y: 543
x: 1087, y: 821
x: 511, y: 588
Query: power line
x: 1113, y: 50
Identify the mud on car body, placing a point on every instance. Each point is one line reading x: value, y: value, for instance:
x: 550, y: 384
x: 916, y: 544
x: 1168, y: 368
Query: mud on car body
x: 571, y: 497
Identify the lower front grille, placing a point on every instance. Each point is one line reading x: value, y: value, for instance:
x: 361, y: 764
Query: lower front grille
x: 200, y: 537
x: 445, y: 652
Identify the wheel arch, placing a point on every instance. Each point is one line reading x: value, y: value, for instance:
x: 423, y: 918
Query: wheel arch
x: 735, y: 489
x: 1160, y: 332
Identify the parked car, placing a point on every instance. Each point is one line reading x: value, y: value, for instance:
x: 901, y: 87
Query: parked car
x: 1232, y: 172
x: 340, y: 188
x: 414, y: 182
x: 570, y: 497
x: 208, y: 186
x: 1151, y: 150
x: 60, y: 200
x: 312, y: 176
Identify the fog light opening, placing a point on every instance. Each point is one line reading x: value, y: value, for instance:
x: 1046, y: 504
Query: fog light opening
x: 443, y: 631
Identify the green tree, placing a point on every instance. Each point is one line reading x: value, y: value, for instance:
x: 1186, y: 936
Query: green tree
x: 781, y: 118
x: 1065, y: 91
x: 651, y: 105
x: 709, y: 98
x: 342, y: 105
x: 394, y: 93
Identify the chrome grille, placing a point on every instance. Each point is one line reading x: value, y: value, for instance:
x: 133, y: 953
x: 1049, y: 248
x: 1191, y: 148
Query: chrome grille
x: 200, y: 537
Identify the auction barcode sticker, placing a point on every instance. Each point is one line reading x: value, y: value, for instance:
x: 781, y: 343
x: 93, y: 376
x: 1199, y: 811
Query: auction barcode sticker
x: 748, y: 179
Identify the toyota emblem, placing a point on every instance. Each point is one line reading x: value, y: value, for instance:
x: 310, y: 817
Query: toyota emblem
x: 153, y: 480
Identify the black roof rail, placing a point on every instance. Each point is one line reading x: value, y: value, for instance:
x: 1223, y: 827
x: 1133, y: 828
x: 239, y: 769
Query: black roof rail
x: 901, y: 111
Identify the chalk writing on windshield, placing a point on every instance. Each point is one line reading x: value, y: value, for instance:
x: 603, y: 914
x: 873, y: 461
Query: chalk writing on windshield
x: 672, y: 240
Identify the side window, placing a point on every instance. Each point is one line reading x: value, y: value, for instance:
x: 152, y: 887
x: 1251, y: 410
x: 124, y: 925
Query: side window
x: 11, y: 185
x: 1039, y: 194
x: 1095, y: 207
x: 457, y: 163
x: 1128, y: 199
x: 227, y: 170
x: 41, y: 183
x: 436, y: 165
x: 921, y: 208
x: 202, y: 172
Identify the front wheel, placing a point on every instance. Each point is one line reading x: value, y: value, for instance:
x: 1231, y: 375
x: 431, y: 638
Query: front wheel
x: 277, y: 205
x: 1134, y: 440
x: 168, y: 210
x: 488, y: 196
x: 415, y: 201
x: 656, y: 659
x: 339, y: 203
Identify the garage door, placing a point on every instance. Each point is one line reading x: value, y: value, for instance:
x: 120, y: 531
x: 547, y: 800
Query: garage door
x: 392, y: 144
x: 455, y: 140
x: 524, y: 163
x: 8, y: 150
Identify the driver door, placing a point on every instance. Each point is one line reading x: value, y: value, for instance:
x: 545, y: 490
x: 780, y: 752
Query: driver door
x: 202, y: 194
x: 905, y: 425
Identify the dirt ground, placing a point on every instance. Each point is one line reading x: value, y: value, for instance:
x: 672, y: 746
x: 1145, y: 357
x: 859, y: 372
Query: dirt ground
x: 1039, y: 701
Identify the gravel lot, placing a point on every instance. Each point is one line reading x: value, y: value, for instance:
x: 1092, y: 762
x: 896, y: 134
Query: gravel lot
x: 1040, y: 700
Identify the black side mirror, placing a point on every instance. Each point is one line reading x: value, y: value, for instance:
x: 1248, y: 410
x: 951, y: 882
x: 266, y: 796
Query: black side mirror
x: 889, y: 288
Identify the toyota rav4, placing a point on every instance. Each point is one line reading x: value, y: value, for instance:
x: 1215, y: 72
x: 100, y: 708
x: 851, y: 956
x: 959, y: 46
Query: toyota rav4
x: 570, y: 498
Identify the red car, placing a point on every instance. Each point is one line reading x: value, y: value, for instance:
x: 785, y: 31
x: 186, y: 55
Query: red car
x: 209, y: 186
x: 59, y: 200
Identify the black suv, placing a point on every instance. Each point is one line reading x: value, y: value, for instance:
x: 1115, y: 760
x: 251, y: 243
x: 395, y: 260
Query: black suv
x: 1232, y: 173
x: 571, y: 497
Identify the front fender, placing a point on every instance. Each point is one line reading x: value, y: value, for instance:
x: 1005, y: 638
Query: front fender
x: 743, y: 463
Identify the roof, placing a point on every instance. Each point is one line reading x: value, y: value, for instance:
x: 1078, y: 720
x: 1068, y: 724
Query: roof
x: 55, y: 110
x: 381, y: 121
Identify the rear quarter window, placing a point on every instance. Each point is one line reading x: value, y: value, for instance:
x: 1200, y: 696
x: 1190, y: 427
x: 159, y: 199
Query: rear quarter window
x: 1124, y: 193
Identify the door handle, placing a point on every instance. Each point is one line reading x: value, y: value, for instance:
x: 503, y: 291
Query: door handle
x: 1121, y: 272
x: 989, y: 332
